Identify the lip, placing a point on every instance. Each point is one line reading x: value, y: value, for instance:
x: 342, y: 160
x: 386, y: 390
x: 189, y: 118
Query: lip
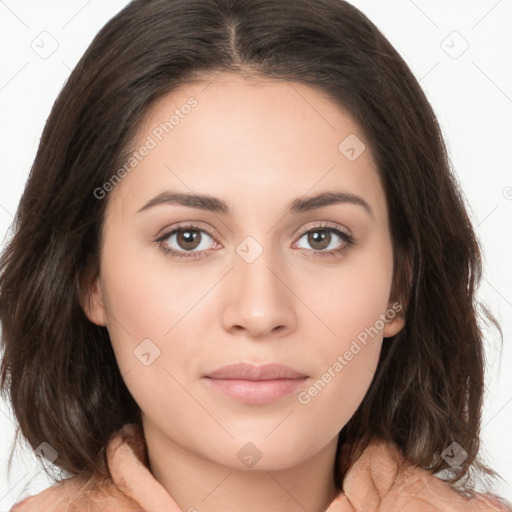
x: 255, y: 385
x: 248, y: 371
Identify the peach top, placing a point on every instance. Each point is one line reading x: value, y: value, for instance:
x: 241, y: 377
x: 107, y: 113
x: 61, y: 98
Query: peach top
x: 373, y: 484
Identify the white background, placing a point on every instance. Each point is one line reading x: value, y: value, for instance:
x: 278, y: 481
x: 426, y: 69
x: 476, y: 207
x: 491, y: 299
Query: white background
x: 471, y: 94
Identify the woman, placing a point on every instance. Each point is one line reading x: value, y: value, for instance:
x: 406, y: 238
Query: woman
x: 241, y: 270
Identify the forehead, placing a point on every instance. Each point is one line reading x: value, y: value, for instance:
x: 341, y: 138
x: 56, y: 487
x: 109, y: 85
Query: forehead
x: 251, y: 141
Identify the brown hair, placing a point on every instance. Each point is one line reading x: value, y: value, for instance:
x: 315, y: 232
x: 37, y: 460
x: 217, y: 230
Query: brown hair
x: 59, y: 370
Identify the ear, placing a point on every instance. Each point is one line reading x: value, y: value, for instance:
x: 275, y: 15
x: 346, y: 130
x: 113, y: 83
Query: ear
x: 93, y: 304
x: 396, y: 319
x: 395, y: 313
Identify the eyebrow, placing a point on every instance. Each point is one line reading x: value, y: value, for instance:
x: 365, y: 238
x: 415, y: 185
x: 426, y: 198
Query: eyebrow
x: 216, y: 205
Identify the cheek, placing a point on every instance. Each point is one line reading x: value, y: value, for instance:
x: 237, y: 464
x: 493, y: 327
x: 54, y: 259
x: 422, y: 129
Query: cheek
x: 349, y: 371
x: 146, y: 311
x: 351, y: 303
x: 144, y: 293
x: 348, y: 362
x: 140, y: 304
x: 334, y: 396
x: 352, y: 306
x: 156, y: 315
x: 352, y: 297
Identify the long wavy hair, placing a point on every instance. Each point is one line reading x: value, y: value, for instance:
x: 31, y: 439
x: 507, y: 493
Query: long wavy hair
x: 58, y: 368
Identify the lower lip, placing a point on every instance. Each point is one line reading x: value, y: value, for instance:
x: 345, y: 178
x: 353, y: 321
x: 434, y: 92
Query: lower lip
x: 256, y: 392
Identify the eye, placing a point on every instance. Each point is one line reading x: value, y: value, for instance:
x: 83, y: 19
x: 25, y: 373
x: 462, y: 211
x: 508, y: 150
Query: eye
x: 323, y: 237
x: 187, y: 238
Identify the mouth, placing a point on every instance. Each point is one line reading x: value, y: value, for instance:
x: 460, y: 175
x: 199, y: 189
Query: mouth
x: 255, y: 385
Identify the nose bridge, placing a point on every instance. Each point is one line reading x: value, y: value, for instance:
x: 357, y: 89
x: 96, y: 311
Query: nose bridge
x: 259, y: 300
x: 253, y: 266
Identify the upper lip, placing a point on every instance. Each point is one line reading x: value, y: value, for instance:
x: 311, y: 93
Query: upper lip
x: 248, y: 371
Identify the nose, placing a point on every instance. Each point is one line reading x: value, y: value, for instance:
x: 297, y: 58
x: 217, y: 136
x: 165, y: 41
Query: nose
x: 259, y: 303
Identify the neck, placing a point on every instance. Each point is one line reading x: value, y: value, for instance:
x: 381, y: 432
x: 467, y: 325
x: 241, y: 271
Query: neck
x: 198, y: 484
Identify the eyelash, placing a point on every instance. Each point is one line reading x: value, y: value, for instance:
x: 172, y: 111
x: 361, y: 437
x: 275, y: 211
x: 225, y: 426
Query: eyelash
x: 347, y: 239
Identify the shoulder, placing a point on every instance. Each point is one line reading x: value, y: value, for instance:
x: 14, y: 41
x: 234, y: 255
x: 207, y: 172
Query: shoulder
x: 78, y: 495
x: 383, y: 479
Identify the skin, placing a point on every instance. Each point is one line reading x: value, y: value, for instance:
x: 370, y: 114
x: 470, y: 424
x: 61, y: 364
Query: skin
x: 257, y: 144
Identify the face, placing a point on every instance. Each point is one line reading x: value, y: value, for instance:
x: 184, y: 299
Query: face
x: 244, y: 267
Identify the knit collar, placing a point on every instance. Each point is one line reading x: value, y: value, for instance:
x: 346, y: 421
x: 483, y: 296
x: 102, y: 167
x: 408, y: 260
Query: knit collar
x: 380, y: 479
x: 129, y: 467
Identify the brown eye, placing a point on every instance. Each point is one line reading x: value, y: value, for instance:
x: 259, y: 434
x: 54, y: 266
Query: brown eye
x: 186, y: 241
x: 326, y: 240
x: 319, y: 239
